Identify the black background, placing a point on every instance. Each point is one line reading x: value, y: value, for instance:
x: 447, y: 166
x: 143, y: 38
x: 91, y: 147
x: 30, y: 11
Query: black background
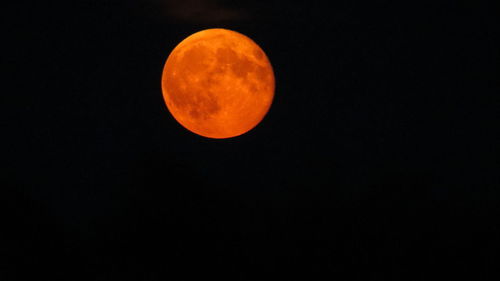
x: 377, y: 161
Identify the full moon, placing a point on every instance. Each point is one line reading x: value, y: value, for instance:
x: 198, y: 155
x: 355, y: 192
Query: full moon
x: 218, y: 83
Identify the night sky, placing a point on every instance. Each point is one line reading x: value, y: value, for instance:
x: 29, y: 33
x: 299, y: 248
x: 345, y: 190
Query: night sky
x: 378, y: 159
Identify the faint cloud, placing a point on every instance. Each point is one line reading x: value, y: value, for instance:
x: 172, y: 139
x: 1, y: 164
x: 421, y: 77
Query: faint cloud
x: 201, y: 11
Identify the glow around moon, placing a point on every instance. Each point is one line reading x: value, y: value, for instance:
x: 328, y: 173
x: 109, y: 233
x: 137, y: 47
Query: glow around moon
x: 218, y: 83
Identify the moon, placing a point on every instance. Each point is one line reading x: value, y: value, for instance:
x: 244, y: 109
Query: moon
x: 218, y: 83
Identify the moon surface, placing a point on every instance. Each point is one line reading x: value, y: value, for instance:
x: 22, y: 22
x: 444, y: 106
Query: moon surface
x: 218, y: 83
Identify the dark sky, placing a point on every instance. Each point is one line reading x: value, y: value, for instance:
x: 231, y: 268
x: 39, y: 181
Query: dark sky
x: 377, y: 161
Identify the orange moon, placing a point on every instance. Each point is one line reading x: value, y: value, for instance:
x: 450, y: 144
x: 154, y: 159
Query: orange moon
x: 218, y: 83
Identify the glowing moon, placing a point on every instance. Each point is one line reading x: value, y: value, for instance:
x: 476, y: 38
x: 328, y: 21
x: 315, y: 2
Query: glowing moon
x: 218, y: 83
